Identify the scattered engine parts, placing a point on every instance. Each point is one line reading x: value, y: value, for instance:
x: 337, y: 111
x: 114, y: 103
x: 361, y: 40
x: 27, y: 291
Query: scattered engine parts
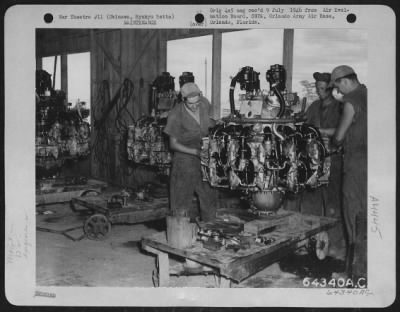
x: 119, y: 200
x: 214, y: 239
x: 318, y: 245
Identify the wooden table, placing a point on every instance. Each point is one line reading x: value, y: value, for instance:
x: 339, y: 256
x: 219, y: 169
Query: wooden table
x: 237, y: 266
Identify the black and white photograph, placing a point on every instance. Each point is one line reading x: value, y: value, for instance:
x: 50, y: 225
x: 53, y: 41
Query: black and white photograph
x: 242, y: 154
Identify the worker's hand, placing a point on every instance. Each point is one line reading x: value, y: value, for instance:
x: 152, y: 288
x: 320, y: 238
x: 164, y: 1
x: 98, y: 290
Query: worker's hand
x: 216, y: 122
x: 327, y: 131
x: 323, y: 132
x: 301, y: 115
x: 197, y: 153
x: 204, y: 153
x: 335, y: 150
x: 326, y: 140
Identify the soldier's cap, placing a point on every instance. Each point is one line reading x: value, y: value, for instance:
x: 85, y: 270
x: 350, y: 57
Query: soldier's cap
x: 190, y: 89
x: 340, y: 72
x: 326, y: 77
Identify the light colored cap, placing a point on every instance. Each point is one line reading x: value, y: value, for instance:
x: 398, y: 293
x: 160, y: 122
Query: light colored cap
x: 190, y: 89
x: 340, y: 72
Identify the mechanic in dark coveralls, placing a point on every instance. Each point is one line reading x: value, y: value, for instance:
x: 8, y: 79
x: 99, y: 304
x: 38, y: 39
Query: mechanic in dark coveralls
x: 188, y: 122
x: 352, y: 135
x: 324, y: 114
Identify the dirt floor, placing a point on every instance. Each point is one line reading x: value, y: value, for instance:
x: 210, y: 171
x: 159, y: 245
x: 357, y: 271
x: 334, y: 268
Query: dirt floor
x: 119, y: 260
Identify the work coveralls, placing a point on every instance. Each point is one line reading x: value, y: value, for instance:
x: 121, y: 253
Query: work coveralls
x: 355, y: 182
x: 186, y: 176
x: 326, y: 199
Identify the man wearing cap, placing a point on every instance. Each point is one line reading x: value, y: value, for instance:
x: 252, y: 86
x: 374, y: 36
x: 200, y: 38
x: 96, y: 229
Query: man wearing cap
x: 351, y: 134
x: 324, y: 114
x: 188, y: 122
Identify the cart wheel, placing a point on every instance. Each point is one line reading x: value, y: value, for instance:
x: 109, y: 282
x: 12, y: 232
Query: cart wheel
x: 85, y: 193
x: 97, y: 227
x: 321, y: 245
x: 156, y: 280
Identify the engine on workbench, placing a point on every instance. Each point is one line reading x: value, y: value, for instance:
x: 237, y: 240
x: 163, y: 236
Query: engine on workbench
x: 265, y: 149
x: 62, y: 131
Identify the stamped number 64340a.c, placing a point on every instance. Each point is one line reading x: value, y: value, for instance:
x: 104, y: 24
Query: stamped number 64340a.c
x: 334, y: 283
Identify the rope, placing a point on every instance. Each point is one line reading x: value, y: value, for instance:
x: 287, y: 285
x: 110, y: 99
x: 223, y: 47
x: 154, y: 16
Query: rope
x: 105, y: 125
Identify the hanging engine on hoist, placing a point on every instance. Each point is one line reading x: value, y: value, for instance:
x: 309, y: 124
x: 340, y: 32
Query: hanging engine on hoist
x: 264, y: 149
x: 147, y: 144
x: 62, y: 132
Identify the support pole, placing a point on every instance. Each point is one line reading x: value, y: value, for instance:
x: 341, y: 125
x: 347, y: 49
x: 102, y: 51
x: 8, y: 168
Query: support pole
x: 216, y: 74
x: 288, y: 37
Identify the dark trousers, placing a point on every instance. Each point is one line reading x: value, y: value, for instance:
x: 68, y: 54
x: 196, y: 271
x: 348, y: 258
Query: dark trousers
x: 355, y: 214
x: 186, y: 180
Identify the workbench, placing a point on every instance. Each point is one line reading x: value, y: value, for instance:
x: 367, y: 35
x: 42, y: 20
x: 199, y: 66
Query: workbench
x: 235, y: 266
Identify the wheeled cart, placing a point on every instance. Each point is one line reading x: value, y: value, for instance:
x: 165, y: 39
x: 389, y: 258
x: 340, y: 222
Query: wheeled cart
x: 54, y: 191
x: 106, y: 211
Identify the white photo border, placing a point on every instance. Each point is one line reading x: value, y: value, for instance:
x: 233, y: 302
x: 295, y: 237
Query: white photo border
x: 21, y: 22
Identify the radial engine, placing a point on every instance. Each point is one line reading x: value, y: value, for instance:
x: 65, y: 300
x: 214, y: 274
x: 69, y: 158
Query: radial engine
x: 264, y: 149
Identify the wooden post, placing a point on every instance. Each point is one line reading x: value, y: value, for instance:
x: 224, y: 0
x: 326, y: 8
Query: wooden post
x: 162, y: 51
x: 216, y: 74
x: 94, y: 166
x: 64, y: 74
x: 54, y: 74
x: 222, y: 282
x: 39, y: 63
x: 288, y: 36
x: 163, y: 269
x: 162, y: 265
